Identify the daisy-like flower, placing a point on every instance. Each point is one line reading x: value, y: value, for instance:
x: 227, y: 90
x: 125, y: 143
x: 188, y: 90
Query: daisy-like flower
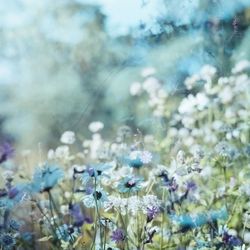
x: 130, y: 184
x: 94, y: 196
x: 225, y: 150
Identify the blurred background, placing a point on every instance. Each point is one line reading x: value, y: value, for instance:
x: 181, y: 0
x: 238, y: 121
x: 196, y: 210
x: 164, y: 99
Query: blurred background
x: 66, y: 63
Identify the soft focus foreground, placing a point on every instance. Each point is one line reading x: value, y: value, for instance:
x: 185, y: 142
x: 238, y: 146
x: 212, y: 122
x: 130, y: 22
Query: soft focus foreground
x: 129, y: 140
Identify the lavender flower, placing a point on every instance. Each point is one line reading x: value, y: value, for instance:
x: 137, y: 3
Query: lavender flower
x: 152, y: 213
x: 118, y: 235
x: 6, y: 152
x: 230, y: 240
x: 76, y: 213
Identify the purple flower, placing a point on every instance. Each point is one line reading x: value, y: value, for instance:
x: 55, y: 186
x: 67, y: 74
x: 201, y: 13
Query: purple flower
x: 171, y: 184
x: 76, y: 213
x: 13, y: 192
x: 78, y: 217
x: 191, y: 186
x: 231, y: 240
x: 152, y: 213
x: 118, y: 235
x: 6, y: 152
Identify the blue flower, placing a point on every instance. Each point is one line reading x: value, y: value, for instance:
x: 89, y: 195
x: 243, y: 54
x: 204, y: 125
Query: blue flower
x: 188, y: 221
x: 14, y: 225
x: 7, y: 241
x: 95, y: 170
x: 14, y: 196
x: 138, y: 158
x: 27, y: 236
x: 130, y: 184
x: 46, y: 178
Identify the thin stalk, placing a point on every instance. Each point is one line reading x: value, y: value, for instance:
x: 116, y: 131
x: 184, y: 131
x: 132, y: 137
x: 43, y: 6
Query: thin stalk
x: 225, y: 180
x: 162, y: 219
x: 105, y: 236
x: 126, y: 224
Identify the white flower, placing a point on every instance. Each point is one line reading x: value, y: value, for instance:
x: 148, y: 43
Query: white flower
x: 151, y: 85
x: 135, y: 89
x: 8, y: 174
x: 246, y: 237
x: 172, y: 131
x: 241, y: 66
x: 148, y: 72
x: 51, y: 154
x: 223, y: 81
x: 95, y: 145
x: 150, y: 202
x: 217, y: 125
x: 68, y: 137
x: 116, y: 203
x: 207, y: 72
x: 188, y: 121
x: 146, y: 157
x: 96, y: 126
x: 245, y: 189
x: 226, y: 95
x: 187, y: 105
x: 97, y: 196
x: 64, y: 209
x: 134, y: 205
x: 181, y: 157
x: 201, y: 101
x: 191, y: 81
x: 62, y: 152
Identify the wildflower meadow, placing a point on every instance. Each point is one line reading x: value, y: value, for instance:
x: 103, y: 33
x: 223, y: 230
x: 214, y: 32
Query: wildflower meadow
x: 188, y: 189
x: 125, y: 125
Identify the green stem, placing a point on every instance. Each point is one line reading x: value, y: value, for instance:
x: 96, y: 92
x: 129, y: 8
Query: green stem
x: 162, y: 218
